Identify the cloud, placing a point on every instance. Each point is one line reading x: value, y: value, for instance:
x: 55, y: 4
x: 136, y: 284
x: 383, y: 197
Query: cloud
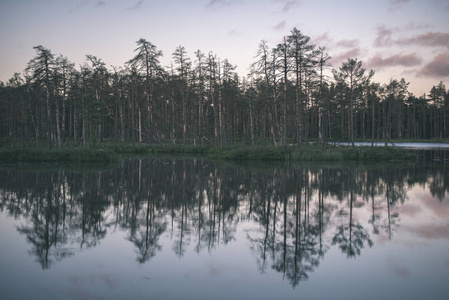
x: 322, y: 39
x: 428, y: 39
x: 397, y: 4
x: 383, y: 36
x: 78, y: 5
x: 413, y: 26
x: 213, y: 3
x: 353, y: 53
x: 348, y: 43
x: 280, y: 26
x: 234, y: 33
x: 406, y: 60
x: 137, y: 5
x: 289, y: 5
x: 430, y: 231
x: 438, y: 67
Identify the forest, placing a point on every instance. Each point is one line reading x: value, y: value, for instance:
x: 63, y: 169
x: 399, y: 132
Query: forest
x: 292, y: 95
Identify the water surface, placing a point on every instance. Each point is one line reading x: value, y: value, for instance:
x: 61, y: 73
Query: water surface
x: 166, y: 228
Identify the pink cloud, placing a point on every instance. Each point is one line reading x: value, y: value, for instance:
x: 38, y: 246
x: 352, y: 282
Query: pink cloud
x: 439, y: 207
x: 322, y: 39
x: 430, y: 231
x: 429, y: 39
x: 280, y: 26
x: 383, y: 36
x: 221, y: 2
x: 348, y: 43
x: 410, y: 210
x: 353, y: 53
x: 395, y: 4
x: 407, y: 60
x: 288, y: 4
x: 438, y: 67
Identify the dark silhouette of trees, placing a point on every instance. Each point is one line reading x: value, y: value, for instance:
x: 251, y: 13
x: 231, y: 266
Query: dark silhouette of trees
x: 288, y: 97
x: 300, y: 49
x: 351, y: 76
x: 146, y: 61
x: 41, y: 73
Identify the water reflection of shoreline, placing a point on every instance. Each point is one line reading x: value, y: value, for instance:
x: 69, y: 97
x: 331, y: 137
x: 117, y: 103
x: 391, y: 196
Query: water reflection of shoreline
x: 296, y: 214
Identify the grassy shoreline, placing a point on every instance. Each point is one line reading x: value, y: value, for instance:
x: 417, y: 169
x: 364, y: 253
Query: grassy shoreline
x: 108, y: 153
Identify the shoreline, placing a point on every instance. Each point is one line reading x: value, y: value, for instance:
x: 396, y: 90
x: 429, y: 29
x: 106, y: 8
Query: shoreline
x: 113, y: 152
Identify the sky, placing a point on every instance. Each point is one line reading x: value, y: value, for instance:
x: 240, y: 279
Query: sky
x: 397, y: 38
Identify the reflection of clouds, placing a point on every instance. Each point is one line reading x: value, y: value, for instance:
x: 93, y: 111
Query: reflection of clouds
x: 410, y: 210
x: 427, y: 215
x: 425, y: 201
x: 213, y: 272
x: 79, y: 280
x: 430, y: 231
x: 400, y: 271
x: 439, y: 208
x: 111, y: 281
x: 397, y: 268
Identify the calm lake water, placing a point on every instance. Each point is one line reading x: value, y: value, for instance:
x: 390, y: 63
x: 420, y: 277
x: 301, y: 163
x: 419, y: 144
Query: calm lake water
x: 170, y: 228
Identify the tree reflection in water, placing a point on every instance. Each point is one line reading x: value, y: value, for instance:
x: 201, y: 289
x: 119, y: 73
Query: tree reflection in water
x: 293, y: 215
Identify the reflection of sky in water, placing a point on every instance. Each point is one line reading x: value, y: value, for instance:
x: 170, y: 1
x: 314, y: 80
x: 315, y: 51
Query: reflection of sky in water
x: 409, y: 259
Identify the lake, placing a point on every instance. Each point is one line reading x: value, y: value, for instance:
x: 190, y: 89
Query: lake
x: 173, y: 228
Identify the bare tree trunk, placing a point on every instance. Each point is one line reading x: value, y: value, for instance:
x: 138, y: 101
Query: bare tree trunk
x: 34, y: 121
x: 122, y: 122
x: 251, y: 119
x: 150, y: 121
x: 50, y: 123
x: 75, y: 123
x: 58, y: 124
x: 270, y: 120
x: 373, y: 121
x: 173, y: 125
x: 132, y: 120
x: 63, y: 117
x: 320, y: 126
x: 184, y: 119
x: 351, y: 118
x: 140, y: 126
x: 200, y: 117
x: 284, y: 142
x: 84, y: 134
x: 220, y: 117
x: 298, y: 118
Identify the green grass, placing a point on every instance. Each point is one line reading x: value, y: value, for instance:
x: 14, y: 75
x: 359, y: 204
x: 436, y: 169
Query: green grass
x: 110, y: 152
x: 35, y: 155
x: 310, y: 153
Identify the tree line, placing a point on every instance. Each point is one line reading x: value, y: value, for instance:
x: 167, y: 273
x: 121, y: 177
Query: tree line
x: 288, y: 97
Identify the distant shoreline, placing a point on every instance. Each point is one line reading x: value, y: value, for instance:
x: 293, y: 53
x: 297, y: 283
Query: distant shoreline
x: 112, y: 152
x: 406, y: 145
